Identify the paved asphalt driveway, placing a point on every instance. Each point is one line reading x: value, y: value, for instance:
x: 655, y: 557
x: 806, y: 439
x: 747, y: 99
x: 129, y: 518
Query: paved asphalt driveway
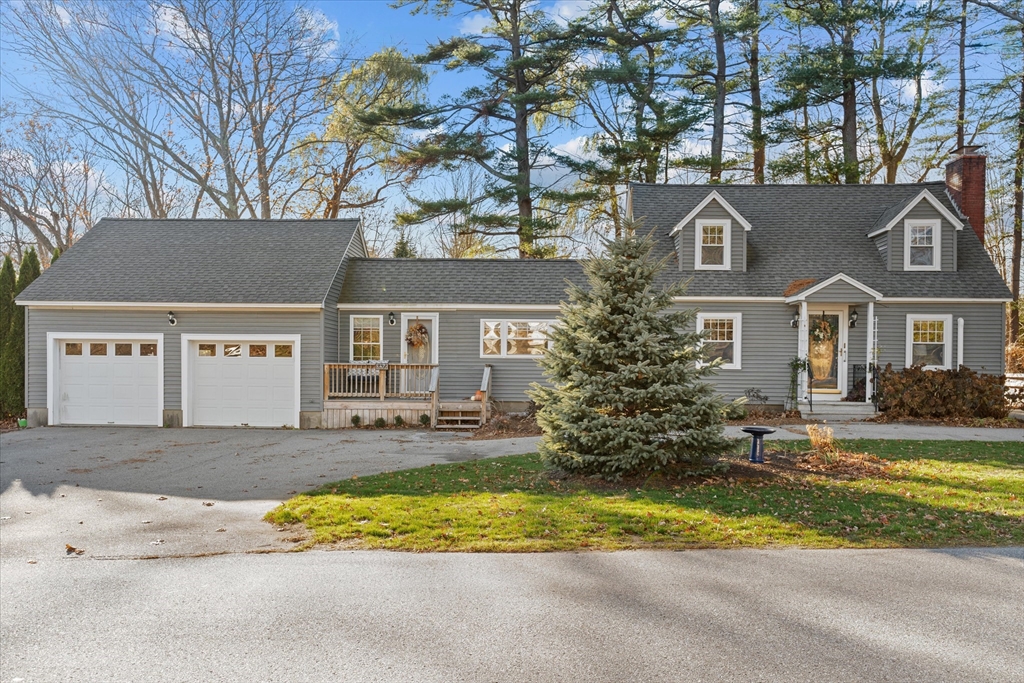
x: 125, y: 492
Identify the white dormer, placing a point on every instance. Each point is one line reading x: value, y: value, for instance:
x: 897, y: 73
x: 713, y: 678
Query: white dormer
x: 918, y: 235
x: 712, y: 231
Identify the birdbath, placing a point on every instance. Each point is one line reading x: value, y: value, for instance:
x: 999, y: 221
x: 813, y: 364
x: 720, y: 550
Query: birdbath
x: 757, y: 442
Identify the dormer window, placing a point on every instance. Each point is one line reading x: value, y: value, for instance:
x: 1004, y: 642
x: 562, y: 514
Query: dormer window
x: 713, y: 248
x: 921, y: 248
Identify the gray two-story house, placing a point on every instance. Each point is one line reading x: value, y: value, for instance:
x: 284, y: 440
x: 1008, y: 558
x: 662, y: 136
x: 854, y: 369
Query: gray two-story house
x: 291, y: 323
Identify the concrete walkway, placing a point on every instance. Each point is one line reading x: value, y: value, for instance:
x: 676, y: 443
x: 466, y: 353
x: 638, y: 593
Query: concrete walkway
x: 873, y: 430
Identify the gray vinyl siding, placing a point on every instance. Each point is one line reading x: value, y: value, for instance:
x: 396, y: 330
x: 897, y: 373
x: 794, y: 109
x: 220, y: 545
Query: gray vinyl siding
x: 686, y: 239
x: 984, y: 330
x: 329, y: 316
x: 460, y: 365
x: 767, y: 344
x: 882, y: 244
x: 841, y: 293
x: 897, y: 239
x: 305, y: 323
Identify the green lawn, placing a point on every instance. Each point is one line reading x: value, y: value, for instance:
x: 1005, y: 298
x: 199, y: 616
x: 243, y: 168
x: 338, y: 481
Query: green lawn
x: 937, y: 493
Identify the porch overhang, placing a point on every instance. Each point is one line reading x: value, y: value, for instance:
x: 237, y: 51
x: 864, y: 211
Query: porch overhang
x: 804, y: 294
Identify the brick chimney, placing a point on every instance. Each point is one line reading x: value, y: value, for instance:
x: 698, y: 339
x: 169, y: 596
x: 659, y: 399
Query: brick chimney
x: 965, y: 181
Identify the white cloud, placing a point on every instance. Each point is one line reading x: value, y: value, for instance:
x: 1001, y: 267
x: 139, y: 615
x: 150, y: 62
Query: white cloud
x: 564, y: 11
x: 577, y: 148
x: 322, y: 36
x: 474, y: 24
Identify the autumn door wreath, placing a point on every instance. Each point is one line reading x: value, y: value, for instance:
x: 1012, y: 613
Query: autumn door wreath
x: 417, y: 335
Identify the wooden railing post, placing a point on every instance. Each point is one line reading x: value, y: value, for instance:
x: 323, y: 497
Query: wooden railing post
x: 327, y: 381
x: 382, y: 383
x: 434, y: 397
x: 485, y: 390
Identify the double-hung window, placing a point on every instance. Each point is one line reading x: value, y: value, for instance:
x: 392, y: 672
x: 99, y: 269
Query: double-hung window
x: 714, y: 243
x: 929, y: 341
x: 365, y: 337
x: 513, y: 338
x: 921, y: 245
x: 722, y: 334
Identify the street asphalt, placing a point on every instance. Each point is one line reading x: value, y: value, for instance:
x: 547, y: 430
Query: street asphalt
x: 742, y: 615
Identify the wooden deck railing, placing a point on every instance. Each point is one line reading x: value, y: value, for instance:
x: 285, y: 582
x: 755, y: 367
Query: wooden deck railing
x: 485, y: 390
x: 379, y: 380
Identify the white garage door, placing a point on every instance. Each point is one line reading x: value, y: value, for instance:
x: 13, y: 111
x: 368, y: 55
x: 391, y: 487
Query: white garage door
x: 109, y: 382
x: 237, y: 383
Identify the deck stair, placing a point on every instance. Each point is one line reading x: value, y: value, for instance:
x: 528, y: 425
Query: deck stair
x: 460, y: 415
x: 837, y: 411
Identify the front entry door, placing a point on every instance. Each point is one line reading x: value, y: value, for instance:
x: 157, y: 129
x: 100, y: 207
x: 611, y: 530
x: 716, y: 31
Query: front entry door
x: 419, y: 347
x: 826, y: 352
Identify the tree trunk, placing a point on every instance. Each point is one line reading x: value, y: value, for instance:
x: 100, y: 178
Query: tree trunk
x: 718, y: 130
x: 524, y: 200
x: 756, y: 131
x: 1018, y: 215
x: 961, y: 104
x: 851, y: 163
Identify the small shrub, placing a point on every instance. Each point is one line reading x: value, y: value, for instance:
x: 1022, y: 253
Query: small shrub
x: 823, y: 443
x: 919, y: 393
x: 355, y: 420
x: 425, y: 420
x: 756, y: 396
x: 399, y: 421
x: 380, y: 423
x: 1015, y: 358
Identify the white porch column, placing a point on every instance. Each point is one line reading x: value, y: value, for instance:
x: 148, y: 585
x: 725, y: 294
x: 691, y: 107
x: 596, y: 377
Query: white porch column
x: 869, y: 389
x: 802, y: 349
x: 959, y: 343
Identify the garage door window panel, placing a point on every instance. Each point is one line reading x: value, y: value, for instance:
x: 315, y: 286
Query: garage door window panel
x: 122, y: 349
x: 73, y: 349
x: 232, y: 350
x: 257, y: 350
x: 147, y: 349
x: 207, y: 350
x: 97, y: 349
x: 282, y: 351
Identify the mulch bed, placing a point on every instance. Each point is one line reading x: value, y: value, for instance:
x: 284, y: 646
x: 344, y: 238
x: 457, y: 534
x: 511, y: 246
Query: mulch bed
x: 8, y: 424
x: 507, y: 427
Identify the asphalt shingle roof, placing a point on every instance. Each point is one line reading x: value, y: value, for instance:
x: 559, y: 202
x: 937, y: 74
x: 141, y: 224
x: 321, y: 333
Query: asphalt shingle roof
x: 199, y: 261
x: 816, y: 231
x: 458, y: 281
x: 799, y: 232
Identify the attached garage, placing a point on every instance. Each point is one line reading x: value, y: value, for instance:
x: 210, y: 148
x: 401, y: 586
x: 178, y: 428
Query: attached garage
x: 240, y: 381
x: 105, y: 379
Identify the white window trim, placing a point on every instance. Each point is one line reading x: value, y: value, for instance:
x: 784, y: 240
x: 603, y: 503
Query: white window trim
x: 947, y: 339
x: 53, y: 356
x: 698, y: 229
x: 186, y: 364
x: 737, y: 331
x: 936, y: 226
x: 504, y: 336
x: 352, y: 336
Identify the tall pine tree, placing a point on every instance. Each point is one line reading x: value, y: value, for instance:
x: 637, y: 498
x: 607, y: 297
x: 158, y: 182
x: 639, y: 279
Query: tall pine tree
x: 8, y: 282
x: 627, y: 392
x: 12, y: 360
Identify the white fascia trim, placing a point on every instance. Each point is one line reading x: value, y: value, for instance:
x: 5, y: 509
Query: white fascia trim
x: 937, y: 300
x: 165, y: 306
x: 726, y: 245
x: 186, y: 339
x: 832, y: 280
x: 737, y: 331
x: 700, y: 207
x: 947, y: 339
x: 449, y: 307
x: 936, y: 226
x: 52, y: 338
x: 936, y: 204
x: 352, y: 335
x: 737, y: 299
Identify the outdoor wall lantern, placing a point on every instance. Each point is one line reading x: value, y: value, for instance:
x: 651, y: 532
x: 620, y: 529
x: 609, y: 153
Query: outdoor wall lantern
x: 391, y: 319
x: 795, y: 322
x: 171, y: 320
x: 854, y: 315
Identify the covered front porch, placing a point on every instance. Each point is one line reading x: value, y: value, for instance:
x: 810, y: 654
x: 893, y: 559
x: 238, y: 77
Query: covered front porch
x: 838, y: 342
x: 399, y: 394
